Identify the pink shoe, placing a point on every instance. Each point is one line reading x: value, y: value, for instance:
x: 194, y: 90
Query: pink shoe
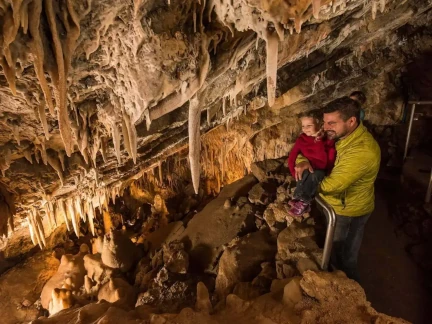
x: 299, y: 208
x: 292, y: 202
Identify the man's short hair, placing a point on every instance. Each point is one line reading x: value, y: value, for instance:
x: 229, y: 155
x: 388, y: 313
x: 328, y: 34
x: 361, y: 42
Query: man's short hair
x: 346, y: 106
x: 359, y: 97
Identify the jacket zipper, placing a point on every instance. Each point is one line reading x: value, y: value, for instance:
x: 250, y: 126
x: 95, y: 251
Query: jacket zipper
x: 343, y: 199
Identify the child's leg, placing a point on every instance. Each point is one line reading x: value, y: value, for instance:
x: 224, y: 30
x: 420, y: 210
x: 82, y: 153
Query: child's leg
x: 307, y: 187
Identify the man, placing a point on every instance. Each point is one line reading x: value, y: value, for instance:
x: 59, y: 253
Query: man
x: 361, y: 99
x: 349, y: 188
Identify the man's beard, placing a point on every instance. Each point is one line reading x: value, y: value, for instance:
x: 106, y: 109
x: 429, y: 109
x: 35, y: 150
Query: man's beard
x: 334, y: 136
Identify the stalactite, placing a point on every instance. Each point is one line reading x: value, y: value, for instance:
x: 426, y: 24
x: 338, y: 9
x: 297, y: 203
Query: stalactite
x: 382, y: 5
x: 194, y: 141
x: 113, y: 195
x: 57, y: 166
x: 36, y: 154
x: 48, y: 215
x: 35, y: 9
x: 132, y: 136
x: 9, y: 73
x: 34, y: 228
x: 116, y: 140
x: 78, y: 208
x: 103, y: 148
x: 90, y: 214
x: 72, y: 216
x: 272, y: 43
x: 42, y: 149
x: 374, y: 9
x: 160, y: 173
x: 334, y: 6
x: 61, y: 209
x: 61, y: 156
x: 38, y: 229
x: 16, y: 134
x: 316, y: 5
x: 194, y: 17
x: 27, y: 154
x: 95, y: 148
x: 224, y: 106
x: 42, y: 118
x: 298, y: 24
x: 63, y: 117
x: 31, y: 230
x: 126, y: 141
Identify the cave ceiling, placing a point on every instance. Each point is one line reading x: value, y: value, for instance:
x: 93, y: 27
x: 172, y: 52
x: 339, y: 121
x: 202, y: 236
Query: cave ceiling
x: 94, y: 92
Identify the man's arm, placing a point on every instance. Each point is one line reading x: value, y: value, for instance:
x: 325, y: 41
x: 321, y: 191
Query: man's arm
x: 351, y: 167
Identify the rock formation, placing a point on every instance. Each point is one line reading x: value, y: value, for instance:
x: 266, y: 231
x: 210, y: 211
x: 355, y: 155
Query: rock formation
x: 158, y: 131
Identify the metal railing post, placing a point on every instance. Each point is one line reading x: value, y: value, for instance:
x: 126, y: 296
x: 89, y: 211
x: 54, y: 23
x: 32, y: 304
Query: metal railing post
x: 409, y: 130
x: 331, y: 224
x: 429, y: 190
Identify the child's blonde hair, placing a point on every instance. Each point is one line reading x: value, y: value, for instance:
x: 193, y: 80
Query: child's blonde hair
x: 314, y: 114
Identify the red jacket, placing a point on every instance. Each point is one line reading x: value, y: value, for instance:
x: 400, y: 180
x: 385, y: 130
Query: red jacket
x: 320, y: 152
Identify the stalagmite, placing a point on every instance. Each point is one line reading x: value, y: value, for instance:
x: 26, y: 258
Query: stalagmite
x: 63, y: 117
x: 194, y: 141
x: 208, y: 117
x: 316, y: 5
x: 35, y: 9
x: 116, y: 140
x: 42, y: 118
x: 272, y: 43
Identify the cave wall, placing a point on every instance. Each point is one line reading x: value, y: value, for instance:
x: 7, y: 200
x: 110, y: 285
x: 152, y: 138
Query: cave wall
x: 121, y: 74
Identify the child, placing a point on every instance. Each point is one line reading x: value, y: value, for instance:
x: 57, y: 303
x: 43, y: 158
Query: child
x: 321, y: 154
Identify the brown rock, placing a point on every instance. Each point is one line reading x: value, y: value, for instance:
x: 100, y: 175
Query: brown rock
x: 242, y: 260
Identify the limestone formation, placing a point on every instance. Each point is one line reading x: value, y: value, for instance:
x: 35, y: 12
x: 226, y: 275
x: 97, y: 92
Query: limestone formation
x: 158, y: 131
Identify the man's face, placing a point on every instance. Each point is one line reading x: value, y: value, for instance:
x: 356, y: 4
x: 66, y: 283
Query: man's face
x: 335, y: 127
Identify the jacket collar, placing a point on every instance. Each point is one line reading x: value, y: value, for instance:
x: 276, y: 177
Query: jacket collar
x: 347, y: 141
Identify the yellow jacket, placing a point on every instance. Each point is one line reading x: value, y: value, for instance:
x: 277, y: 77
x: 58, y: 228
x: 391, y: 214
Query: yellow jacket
x: 349, y: 189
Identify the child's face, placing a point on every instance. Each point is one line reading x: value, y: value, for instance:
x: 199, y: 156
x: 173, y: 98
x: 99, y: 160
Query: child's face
x: 309, y: 126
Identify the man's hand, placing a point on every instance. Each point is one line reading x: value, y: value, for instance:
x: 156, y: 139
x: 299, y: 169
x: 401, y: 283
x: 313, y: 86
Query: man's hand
x: 300, y: 167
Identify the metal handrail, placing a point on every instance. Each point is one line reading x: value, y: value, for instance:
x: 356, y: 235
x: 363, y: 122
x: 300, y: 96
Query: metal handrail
x: 331, y: 224
x: 413, y: 103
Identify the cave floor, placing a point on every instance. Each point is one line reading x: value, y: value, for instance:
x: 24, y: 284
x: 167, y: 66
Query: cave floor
x: 394, y: 284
